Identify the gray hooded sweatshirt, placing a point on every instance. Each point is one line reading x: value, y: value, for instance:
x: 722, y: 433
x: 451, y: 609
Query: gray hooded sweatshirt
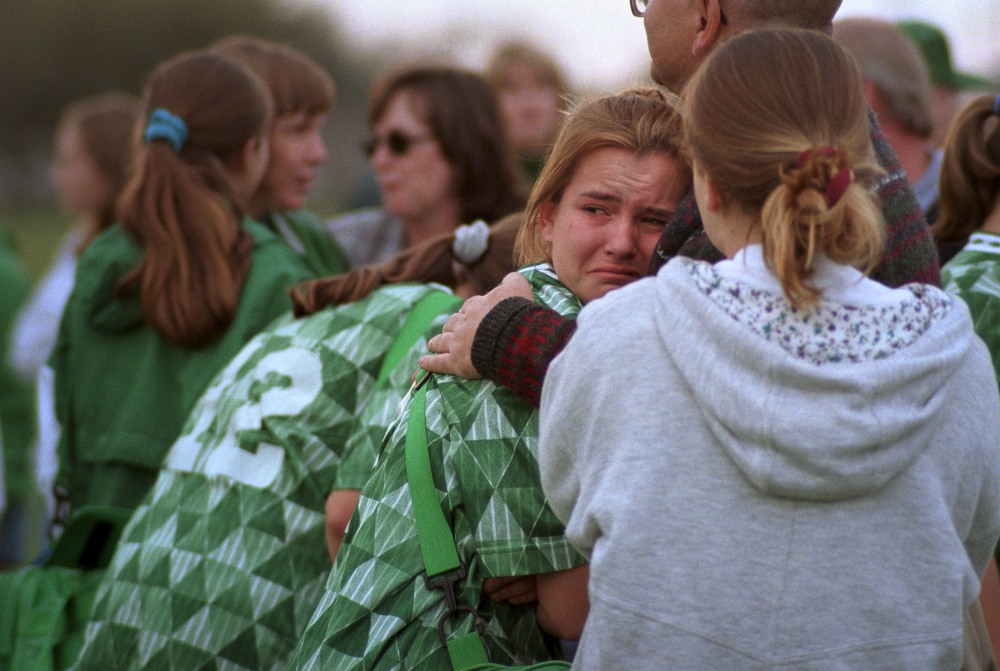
x: 746, y: 507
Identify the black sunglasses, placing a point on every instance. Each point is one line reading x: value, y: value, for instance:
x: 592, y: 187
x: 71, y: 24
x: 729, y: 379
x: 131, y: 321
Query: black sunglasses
x: 396, y: 141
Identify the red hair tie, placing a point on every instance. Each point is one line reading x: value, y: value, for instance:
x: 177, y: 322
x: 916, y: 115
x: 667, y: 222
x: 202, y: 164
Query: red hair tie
x: 838, y: 184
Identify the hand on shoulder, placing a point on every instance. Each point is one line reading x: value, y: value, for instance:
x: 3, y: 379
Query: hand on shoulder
x: 452, y: 348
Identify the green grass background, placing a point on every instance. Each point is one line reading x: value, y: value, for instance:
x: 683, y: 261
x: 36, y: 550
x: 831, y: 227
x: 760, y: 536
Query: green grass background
x: 36, y: 234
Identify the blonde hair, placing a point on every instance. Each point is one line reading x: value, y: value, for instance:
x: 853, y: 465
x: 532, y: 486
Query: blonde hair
x: 181, y: 206
x: 970, y: 173
x: 642, y: 120
x: 515, y: 54
x: 773, y: 117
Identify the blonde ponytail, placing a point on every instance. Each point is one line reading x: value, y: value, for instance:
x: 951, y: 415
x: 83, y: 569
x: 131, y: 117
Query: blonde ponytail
x: 788, y: 140
x: 819, y: 208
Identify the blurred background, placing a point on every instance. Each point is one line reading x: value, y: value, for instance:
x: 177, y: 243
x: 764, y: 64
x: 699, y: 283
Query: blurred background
x: 55, y: 51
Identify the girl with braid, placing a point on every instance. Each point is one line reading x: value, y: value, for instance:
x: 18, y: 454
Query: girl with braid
x: 283, y: 424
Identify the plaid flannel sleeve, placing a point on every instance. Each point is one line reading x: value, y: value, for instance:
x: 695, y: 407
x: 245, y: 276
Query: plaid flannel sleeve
x: 909, y: 254
x: 515, y: 343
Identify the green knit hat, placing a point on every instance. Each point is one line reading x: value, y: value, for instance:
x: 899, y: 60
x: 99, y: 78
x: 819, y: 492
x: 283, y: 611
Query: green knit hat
x: 934, y: 46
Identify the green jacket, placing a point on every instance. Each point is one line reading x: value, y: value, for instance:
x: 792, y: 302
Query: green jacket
x: 304, y: 233
x: 123, y: 392
x: 17, y: 397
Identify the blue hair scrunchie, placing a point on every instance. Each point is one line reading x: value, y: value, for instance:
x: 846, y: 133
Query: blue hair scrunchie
x: 996, y: 104
x: 165, y: 125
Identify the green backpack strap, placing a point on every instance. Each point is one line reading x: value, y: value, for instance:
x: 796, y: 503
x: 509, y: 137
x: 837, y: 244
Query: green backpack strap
x: 443, y: 568
x: 426, y: 310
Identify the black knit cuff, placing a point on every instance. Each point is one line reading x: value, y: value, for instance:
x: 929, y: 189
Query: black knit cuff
x: 496, y: 325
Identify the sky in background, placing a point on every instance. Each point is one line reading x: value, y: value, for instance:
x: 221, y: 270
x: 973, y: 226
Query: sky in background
x: 598, y: 42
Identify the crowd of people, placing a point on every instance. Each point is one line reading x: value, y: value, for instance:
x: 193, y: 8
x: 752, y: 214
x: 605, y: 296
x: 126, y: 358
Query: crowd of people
x: 694, y: 377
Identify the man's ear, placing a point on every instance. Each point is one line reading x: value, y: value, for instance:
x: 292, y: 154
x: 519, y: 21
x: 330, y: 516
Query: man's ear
x: 708, y: 27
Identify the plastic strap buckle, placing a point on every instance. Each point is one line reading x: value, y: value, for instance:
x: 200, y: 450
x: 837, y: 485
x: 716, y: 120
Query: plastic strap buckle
x: 446, y: 582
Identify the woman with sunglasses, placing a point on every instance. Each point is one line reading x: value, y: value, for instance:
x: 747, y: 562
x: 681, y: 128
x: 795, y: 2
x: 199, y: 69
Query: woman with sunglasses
x: 441, y: 158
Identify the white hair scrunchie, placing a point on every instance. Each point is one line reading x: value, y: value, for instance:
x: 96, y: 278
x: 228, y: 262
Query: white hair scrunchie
x: 471, y: 241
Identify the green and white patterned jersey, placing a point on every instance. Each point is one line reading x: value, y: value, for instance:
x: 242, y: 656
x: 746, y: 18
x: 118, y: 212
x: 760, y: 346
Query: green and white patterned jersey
x: 974, y: 275
x: 370, y: 426
x: 225, y: 560
x: 376, y: 612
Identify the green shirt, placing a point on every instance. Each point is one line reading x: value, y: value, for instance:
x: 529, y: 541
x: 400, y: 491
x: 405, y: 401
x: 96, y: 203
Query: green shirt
x: 17, y: 398
x: 307, y: 237
x: 376, y: 612
x: 974, y: 275
x: 374, y: 417
x: 226, y: 559
x: 122, y: 391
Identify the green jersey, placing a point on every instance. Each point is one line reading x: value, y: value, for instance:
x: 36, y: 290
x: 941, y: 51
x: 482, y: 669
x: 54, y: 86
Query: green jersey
x: 307, y: 237
x: 122, y: 392
x: 974, y: 275
x: 226, y: 560
x: 376, y: 612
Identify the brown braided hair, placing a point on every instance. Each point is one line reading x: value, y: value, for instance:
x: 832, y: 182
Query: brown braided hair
x: 432, y: 261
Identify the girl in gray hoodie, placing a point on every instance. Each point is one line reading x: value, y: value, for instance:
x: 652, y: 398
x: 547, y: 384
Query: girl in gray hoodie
x: 823, y: 490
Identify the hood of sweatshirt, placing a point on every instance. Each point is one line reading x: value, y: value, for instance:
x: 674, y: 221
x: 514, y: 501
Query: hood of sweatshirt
x: 799, y: 429
x: 107, y: 259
